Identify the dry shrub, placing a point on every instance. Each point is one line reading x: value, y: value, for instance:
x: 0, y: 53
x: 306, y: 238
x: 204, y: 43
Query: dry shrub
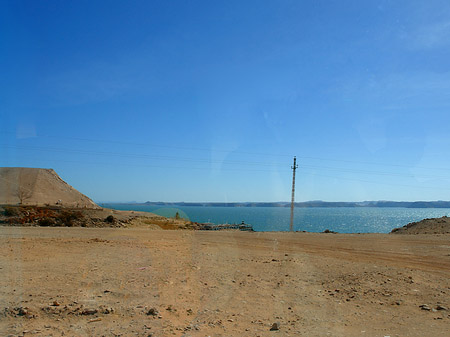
x: 68, y: 218
x: 11, y: 211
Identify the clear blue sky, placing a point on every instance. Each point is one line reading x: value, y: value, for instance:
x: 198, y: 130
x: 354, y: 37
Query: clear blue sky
x: 210, y: 100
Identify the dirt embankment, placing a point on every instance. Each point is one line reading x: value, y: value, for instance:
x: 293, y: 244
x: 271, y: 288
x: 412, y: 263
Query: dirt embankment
x: 426, y: 226
x: 79, y: 217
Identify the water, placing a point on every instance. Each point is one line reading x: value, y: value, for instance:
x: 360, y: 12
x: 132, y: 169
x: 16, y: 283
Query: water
x: 339, y: 219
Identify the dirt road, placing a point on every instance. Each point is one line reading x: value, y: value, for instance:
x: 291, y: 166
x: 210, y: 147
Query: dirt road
x: 137, y: 282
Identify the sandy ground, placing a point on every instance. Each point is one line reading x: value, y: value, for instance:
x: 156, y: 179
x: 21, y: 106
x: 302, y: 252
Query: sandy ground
x: 137, y: 282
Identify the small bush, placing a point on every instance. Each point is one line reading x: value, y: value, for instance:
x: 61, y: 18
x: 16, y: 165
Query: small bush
x: 67, y: 217
x: 109, y: 219
x: 11, y: 211
x: 46, y: 222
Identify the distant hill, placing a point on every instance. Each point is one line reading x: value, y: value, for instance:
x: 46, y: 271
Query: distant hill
x: 318, y: 203
x: 39, y: 187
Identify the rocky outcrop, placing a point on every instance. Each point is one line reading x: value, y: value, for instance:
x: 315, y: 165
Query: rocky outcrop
x: 426, y: 226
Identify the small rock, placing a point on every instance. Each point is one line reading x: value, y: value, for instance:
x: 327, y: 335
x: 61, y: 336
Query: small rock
x: 98, y: 319
x: 275, y: 326
x: 107, y: 311
x: 22, y: 311
x: 152, y: 312
x: 56, y: 304
x: 425, y: 307
x: 89, y: 311
x: 441, y: 307
x: 171, y: 308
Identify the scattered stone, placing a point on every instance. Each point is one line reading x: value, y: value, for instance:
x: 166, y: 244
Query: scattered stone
x: 275, y: 326
x: 56, y: 304
x: 425, y: 307
x: 441, y: 307
x: 152, y: 312
x: 89, y: 311
x: 190, y: 327
x: 107, y: 311
x: 22, y: 311
x: 171, y: 308
x: 98, y: 319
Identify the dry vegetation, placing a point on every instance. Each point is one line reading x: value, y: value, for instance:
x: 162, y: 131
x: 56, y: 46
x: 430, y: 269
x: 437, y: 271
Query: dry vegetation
x: 79, y: 217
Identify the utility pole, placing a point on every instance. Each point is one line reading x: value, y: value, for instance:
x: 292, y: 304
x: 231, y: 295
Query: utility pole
x: 294, y: 167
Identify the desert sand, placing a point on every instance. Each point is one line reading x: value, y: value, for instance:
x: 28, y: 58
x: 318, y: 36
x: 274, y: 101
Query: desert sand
x: 140, y: 282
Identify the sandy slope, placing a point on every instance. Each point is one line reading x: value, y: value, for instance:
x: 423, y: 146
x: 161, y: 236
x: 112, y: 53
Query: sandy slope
x: 221, y: 283
x: 35, y: 186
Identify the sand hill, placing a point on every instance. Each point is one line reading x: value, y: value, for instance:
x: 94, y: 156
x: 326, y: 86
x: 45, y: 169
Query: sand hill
x: 36, y: 186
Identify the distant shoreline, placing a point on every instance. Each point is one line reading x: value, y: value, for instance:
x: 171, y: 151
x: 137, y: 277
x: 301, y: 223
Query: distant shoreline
x: 307, y: 204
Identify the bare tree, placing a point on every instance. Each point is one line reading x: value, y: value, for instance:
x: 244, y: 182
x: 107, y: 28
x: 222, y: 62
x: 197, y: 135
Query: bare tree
x: 23, y: 194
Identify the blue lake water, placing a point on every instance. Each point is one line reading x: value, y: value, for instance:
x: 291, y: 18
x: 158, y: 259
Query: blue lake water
x: 339, y: 219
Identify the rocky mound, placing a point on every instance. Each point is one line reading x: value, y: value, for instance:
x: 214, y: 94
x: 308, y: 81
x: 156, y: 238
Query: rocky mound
x: 426, y: 226
x: 39, y: 187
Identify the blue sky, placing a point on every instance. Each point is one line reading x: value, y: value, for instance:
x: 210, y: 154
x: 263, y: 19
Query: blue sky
x: 210, y: 100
